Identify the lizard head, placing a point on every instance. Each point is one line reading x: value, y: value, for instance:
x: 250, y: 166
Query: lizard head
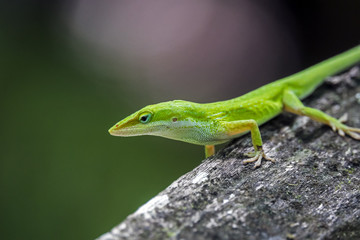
x: 173, y: 119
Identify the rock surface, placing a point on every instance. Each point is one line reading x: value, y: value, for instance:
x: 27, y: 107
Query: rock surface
x: 311, y: 192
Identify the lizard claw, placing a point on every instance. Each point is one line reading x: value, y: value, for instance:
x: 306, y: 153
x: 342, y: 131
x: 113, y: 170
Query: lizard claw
x: 257, y: 156
x: 353, y: 132
x: 343, y: 129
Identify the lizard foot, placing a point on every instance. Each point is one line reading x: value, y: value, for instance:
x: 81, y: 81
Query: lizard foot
x: 257, y: 156
x: 352, y: 132
x: 343, y: 129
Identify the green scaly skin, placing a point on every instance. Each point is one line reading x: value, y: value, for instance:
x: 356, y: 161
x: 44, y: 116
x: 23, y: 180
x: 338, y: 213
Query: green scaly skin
x: 214, y: 123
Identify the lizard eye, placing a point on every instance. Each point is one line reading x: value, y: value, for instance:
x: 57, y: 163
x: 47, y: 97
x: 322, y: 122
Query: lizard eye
x: 145, y: 118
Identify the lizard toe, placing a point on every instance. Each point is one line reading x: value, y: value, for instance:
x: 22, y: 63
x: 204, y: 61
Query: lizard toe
x: 353, y: 134
x: 257, y: 158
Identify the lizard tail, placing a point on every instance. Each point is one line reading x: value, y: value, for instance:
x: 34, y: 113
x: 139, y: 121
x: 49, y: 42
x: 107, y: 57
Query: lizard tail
x: 305, y: 82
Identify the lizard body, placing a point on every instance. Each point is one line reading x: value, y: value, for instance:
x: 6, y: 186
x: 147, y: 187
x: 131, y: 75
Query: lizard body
x: 214, y: 123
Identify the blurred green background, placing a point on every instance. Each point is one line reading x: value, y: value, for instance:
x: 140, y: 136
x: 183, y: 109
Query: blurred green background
x: 62, y: 176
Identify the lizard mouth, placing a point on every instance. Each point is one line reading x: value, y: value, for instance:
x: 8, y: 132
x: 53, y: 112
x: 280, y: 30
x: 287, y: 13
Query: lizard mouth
x: 121, y: 132
x: 126, y: 127
x: 129, y: 131
x: 113, y: 132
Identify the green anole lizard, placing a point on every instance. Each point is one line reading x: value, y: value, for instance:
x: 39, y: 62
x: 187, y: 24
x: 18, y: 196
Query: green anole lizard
x: 215, y: 123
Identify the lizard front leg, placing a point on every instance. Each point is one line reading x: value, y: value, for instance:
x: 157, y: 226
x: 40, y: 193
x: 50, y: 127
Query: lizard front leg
x: 236, y: 127
x: 209, y: 150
